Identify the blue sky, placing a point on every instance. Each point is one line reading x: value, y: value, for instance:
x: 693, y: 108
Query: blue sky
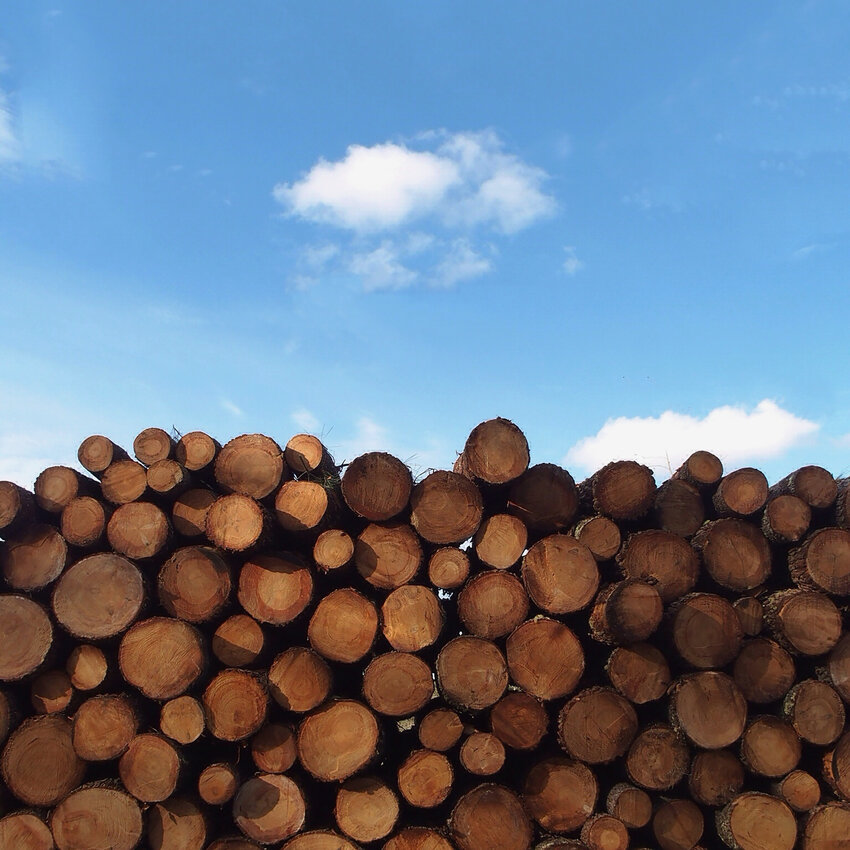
x: 624, y: 226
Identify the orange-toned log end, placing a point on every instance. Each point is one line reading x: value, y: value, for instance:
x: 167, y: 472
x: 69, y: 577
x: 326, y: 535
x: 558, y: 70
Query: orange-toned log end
x: 500, y: 541
x: 168, y: 479
x: 377, y: 486
x: 496, y: 452
x: 605, y: 832
x: 238, y: 641
x: 333, y: 549
x: 679, y: 508
x: 482, y: 754
x: 194, y: 584
x: 800, y: 790
x: 519, y: 720
x: 317, y: 839
x: 97, y: 452
x: 366, y: 808
x: 305, y: 453
x: 753, y: 821
x: 545, y: 658
x: 124, y: 481
x: 545, y: 498
x: 299, y: 679
x: 560, y: 574
x: 153, y: 444
x: 301, y: 505
x: 397, y: 684
x: 600, y: 534
x: 275, y: 589
x: 560, y: 794
x: 633, y: 806
x: 182, y: 720
x: 827, y: 827
x: 623, y: 490
x: 139, y: 530
x: 388, y: 555
x: 83, y: 522
x: 235, y: 704
x: 741, y: 493
x: 709, y: 709
x: 626, y: 612
x: 735, y: 553
x: 38, y: 764
x: 58, y: 485
x: 448, y: 568
x: 446, y: 508
x: 343, y: 626
x: 17, y: 508
x: 706, y: 630
x: 822, y: 562
x: 786, y: 519
x: 716, y: 777
x: 414, y: 838
x: 269, y: 808
x: 492, y: 604
x: 95, y: 817
x: 33, y: 558
x: 189, y: 512
x: 149, y: 769
x: 440, y: 729
x: 103, y: 727
x: 763, y: 671
x: 490, y: 816
x: 196, y: 451
x: 176, y: 824
x: 273, y: 748
x: 25, y: 831
x: 815, y: 711
x: 657, y: 758
x: 640, y: 672
x: 26, y: 635
x: 702, y: 469
x: 471, y: 672
x: 770, y: 746
x: 337, y: 740
x: 411, y: 618
x: 238, y: 843
x: 51, y: 692
x: 235, y: 522
x: 217, y: 783
x: 161, y: 657
x: 425, y: 779
x: 677, y: 825
x: 597, y: 725
x: 666, y: 560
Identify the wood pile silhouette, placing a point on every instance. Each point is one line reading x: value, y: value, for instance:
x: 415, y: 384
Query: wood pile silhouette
x: 227, y: 647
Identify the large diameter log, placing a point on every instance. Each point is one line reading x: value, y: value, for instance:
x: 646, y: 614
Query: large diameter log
x: 238, y: 641
x: 189, y: 511
x: 664, y: 559
x: 33, y: 558
x: 640, y: 672
x: 560, y: 794
x: 26, y: 635
x: 622, y: 490
x: 763, y: 671
x: 83, y: 522
x: 471, y: 672
x: 492, y: 604
x: 496, y: 452
x: 679, y: 508
x: 194, y: 584
x: 677, y: 825
x: 425, y: 779
x: 269, y: 808
x: 99, y: 596
x: 626, y: 612
x: 388, y: 555
x: 735, y: 553
x: 600, y: 534
x: 299, y: 679
x: 545, y: 498
x: 411, y: 618
x: 182, y: 720
x: 815, y: 711
x: 560, y: 574
x: 251, y: 465
x: 740, y: 493
x: 827, y: 827
x: 196, y: 451
x: 176, y: 824
x: 275, y: 589
x: 153, y: 444
x: 273, y: 748
x: 38, y: 763
x: 337, y: 740
x: 56, y: 486
x: 770, y: 746
x: 822, y: 562
x: 716, y: 777
x: 97, y: 452
x: 490, y: 816
x: 236, y: 522
x: 97, y: 817
x: 162, y: 657
x: 366, y: 808
x: 440, y: 729
x: 25, y: 831
x: 709, y: 709
x: 805, y: 622
x: 377, y: 486
x: 446, y: 508
x: 103, y: 727
x: 813, y: 484
x: 545, y: 658
x: 500, y: 541
x: 755, y: 821
x: 124, y: 481
x: 448, y: 568
x: 482, y: 754
x: 706, y: 630
x: 17, y: 508
x: 301, y: 506
x: 657, y: 758
x: 343, y: 626
x: 519, y: 720
x: 139, y: 530
x: 786, y: 519
x: 150, y: 768
x: 397, y: 684
x: 235, y: 704
x: 702, y: 469
x: 597, y: 725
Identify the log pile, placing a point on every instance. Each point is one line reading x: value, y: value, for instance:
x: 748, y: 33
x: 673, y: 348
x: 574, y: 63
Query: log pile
x: 224, y: 647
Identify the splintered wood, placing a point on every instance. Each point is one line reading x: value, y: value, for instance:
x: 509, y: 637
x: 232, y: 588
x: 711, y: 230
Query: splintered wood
x: 229, y: 646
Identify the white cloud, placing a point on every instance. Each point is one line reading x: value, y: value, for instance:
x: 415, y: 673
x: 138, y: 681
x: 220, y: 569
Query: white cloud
x: 808, y: 250
x: 318, y: 256
x: 382, y: 269
x: 734, y: 434
x: 572, y: 264
x: 305, y: 420
x: 8, y: 139
x: 461, y: 263
x: 230, y: 407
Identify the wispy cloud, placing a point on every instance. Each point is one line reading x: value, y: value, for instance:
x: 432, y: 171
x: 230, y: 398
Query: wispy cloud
x: 734, y: 434
x: 230, y: 407
x: 572, y: 264
x: 807, y: 250
x: 9, y: 148
x: 305, y: 420
x: 382, y: 268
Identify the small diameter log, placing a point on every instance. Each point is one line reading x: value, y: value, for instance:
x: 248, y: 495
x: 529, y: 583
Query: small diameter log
x: 217, y: 783
x: 97, y: 453
x: 597, y: 725
x: 519, y: 720
x: 238, y: 641
x: 805, y: 622
x: 740, y: 493
x: 51, y: 692
x: 735, y: 553
x: 545, y: 498
x: 813, y: 484
x: 663, y: 559
x: 153, y: 444
x: 83, y: 522
x: 448, y: 568
x: 26, y: 635
x: 343, y: 626
x: 240, y: 843
x: 622, y: 490
x: 301, y: 506
x: 633, y: 806
x: 500, y: 541
x: 770, y: 746
x: 149, y: 769
x: 496, y: 452
x: 425, y: 779
x: 388, y: 555
x: 600, y: 534
x: 837, y: 767
x: 139, y: 530
x: 194, y: 584
x: 299, y: 679
x: 471, y: 672
x: 490, y: 816
x: 706, y: 630
x: 640, y: 672
x: 366, y: 808
x: 33, y: 558
x: 333, y: 549
x: 176, y: 824
x: 305, y: 454
x: 97, y: 816
x: 196, y: 451
x: 168, y: 479
x: 626, y: 612
x: 38, y: 764
x: 492, y: 604
x: 251, y: 465
x: 446, y: 508
x: 716, y: 777
x: 236, y: 522
x: 763, y: 671
x: 25, y: 831
x: 560, y: 574
x: 269, y: 808
x: 822, y: 562
x: 755, y: 821
x: 275, y: 589
x: 58, y: 485
x: 545, y: 658
x: 235, y: 705
x: 799, y: 789
x: 124, y: 481
x: 838, y: 667
x: 397, y: 684
x: 411, y: 618
x: 189, y: 512
x: 750, y: 613
x: 17, y: 508
x: 677, y: 825
x: 482, y: 754
x: 411, y: 838
x: 604, y: 832
x: 657, y: 758
x: 377, y: 486
x: 338, y: 740
x: 440, y: 729
x: 182, y: 720
x: 702, y: 469
x: 815, y: 711
x: 103, y: 727
x: 679, y: 508
x: 709, y: 709
x: 826, y: 827
x: 273, y: 748
x: 560, y: 794
x: 161, y: 657
x: 786, y: 519
x: 86, y: 667
x: 319, y: 839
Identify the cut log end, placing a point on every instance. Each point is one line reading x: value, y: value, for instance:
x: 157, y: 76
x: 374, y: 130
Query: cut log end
x: 496, y: 452
x: 377, y: 486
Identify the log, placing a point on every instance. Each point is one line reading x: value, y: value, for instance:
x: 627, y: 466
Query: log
x: 622, y: 490
x: 306, y: 455
x: 482, y: 754
x: 471, y: 672
x: 678, y: 508
x: 786, y: 519
x: 545, y: 498
x: 425, y: 779
x: 236, y: 523
x: 103, y: 727
x: 716, y: 777
x: 500, y: 541
x: 168, y: 479
x: 664, y: 559
x: 838, y: 667
x: 490, y: 816
x: 445, y: 508
x: 413, y: 838
x: 625, y: 612
x: 805, y: 622
x: 235, y: 704
x: 702, y: 469
x: 97, y: 453
x: 299, y: 679
x: 194, y: 584
x: 600, y: 534
x: 51, y: 692
x: 604, y: 832
x: 176, y: 824
x: 708, y: 708
x: 377, y: 486
x: 448, y: 568
x: 560, y: 574
x: 269, y: 808
x: 799, y: 790
x: 333, y: 549
x: 740, y: 493
x: 217, y: 783
x: 273, y: 748
x: 754, y: 821
x: 275, y: 589
x: 366, y: 808
x: 842, y: 508
x: 677, y: 825
x: 189, y: 512
x: 545, y: 658
x: 7, y: 716
x: 496, y: 452
x: 240, y: 843
x: 822, y: 562
x: 56, y: 486
x: 182, y: 720
x: 251, y: 465
x: 17, y: 508
x: 706, y: 630
x: 124, y: 481
x: 139, y: 530
x: 519, y: 720
x: 343, y: 626
x: 26, y: 636
x: 735, y: 554
x: 826, y: 827
x: 750, y: 613
x: 150, y: 768
x: 631, y: 805
x: 388, y: 556
x: 597, y: 725
x: 83, y: 522
x: 639, y: 672
x: 763, y: 671
x: 815, y: 711
x: 25, y: 831
x: 560, y: 794
x: 657, y: 758
x: 397, y: 684
x: 492, y: 604
x: 770, y: 746
x: 302, y: 506
x: 97, y: 816
x: 197, y: 451
x: 33, y: 558
x: 440, y: 729
x: 153, y: 444
x: 411, y: 618
x: 814, y: 485
x: 238, y: 641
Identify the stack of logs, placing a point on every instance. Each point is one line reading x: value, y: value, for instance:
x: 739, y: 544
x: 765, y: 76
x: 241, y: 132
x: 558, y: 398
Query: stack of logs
x: 222, y: 648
